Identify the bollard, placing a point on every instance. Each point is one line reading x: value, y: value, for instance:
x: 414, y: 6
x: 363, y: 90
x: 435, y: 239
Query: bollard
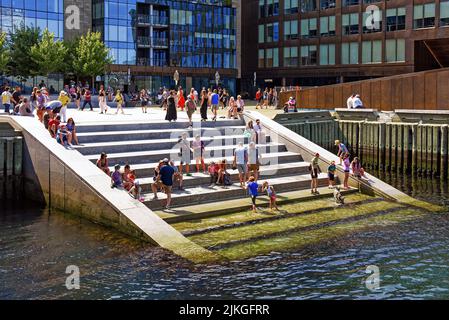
x: 444, y: 152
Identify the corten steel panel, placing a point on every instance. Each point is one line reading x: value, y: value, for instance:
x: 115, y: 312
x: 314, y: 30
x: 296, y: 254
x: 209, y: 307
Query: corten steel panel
x: 375, y: 95
x: 321, y: 99
x: 407, y: 93
x: 338, y: 97
x: 347, y: 92
x: 396, y: 93
x: 313, y: 99
x: 418, y: 92
x: 443, y: 90
x: 329, y: 98
x: 430, y: 102
x: 356, y: 88
x: 385, y: 99
x: 366, y: 94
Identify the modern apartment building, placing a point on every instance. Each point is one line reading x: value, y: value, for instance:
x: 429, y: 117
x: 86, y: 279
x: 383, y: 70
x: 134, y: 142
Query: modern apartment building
x: 149, y: 39
x: 317, y: 42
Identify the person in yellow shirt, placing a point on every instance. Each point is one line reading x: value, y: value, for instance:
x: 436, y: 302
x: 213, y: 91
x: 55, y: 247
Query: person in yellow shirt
x: 65, y: 100
x: 120, y: 101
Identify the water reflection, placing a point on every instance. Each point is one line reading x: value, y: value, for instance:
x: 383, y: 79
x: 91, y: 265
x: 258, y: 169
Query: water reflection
x: 36, y: 247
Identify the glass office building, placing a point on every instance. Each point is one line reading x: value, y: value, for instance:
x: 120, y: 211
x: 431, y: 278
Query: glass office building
x: 152, y: 38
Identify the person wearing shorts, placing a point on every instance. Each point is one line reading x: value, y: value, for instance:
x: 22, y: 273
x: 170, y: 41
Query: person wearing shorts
x: 342, y: 150
x: 165, y: 180
x: 347, y: 166
x: 253, y: 188
x: 331, y: 174
x: 214, y: 102
x: 186, y: 151
x: 314, y: 172
x: 241, y: 162
x: 253, y: 160
x: 190, y: 106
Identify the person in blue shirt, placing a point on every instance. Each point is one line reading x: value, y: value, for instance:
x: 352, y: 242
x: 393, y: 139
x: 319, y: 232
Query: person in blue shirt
x: 165, y: 181
x: 253, y: 190
x: 214, y: 102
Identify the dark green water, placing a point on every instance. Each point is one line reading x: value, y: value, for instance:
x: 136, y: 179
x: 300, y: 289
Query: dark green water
x: 36, y: 247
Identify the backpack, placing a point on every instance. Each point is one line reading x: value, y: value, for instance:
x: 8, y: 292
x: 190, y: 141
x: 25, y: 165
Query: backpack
x: 227, y: 180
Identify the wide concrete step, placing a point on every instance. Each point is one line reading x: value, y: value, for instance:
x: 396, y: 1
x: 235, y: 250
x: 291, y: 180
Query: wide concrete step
x: 147, y: 169
x: 133, y: 135
x: 200, y: 195
x: 266, y: 172
x: 124, y: 126
x: 155, y: 144
x: 195, y: 219
x: 140, y: 157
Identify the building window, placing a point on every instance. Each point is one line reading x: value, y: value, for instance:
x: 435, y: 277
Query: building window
x: 327, y: 4
x: 372, y: 51
x: 261, y: 58
x: 327, y: 54
x: 395, y: 50
x: 262, y: 9
x: 309, y: 28
x: 308, y: 5
x: 350, y: 3
x: 272, y: 58
x: 424, y: 16
x: 371, y: 1
x: 327, y: 26
x: 291, y: 30
x: 308, y: 55
x: 372, y: 21
x: 350, y: 23
x: 395, y: 19
x: 350, y: 53
x: 273, y: 8
x: 444, y: 13
x: 261, y: 33
x: 291, y: 57
x: 273, y: 32
x: 291, y: 6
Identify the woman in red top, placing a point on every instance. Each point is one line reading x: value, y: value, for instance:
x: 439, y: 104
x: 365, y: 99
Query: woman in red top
x: 181, y: 99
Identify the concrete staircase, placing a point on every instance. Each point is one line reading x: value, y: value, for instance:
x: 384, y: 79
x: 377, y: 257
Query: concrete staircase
x: 142, y: 145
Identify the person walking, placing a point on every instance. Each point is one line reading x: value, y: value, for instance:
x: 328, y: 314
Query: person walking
x: 181, y: 99
x: 347, y: 167
x: 198, y: 153
x: 214, y: 101
x: 185, y: 153
x: 172, y: 112
x: 144, y: 100
x: 203, y: 105
x: 253, y: 190
x: 120, y: 100
x: 87, y: 100
x: 78, y: 98
x: 102, y: 100
x: 65, y: 100
x: 190, y: 109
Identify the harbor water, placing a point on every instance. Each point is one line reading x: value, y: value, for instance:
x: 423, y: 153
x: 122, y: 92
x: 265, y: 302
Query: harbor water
x: 36, y: 247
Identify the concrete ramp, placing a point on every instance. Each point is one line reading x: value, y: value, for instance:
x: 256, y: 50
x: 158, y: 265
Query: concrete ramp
x: 69, y: 182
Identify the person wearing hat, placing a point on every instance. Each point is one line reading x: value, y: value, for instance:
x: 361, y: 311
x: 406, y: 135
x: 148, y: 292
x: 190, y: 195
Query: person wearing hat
x: 65, y: 100
x: 190, y: 109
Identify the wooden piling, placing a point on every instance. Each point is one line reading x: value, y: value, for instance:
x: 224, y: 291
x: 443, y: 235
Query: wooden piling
x: 9, y: 156
x: 2, y: 157
x: 436, y: 147
x: 18, y: 149
x: 400, y: 148
x: 444, y: 152
x: 387, y: 146
x: 382, y: 139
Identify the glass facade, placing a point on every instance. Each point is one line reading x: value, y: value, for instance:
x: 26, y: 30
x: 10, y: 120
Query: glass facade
x: 43, y: 14
x: 161, y: 33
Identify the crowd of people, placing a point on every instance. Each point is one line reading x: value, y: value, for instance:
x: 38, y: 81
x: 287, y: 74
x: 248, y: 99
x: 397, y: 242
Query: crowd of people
x: 267, y: 98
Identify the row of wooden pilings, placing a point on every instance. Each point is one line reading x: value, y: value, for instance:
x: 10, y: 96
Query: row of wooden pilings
x: 11, y: 157
x: 401, y: 147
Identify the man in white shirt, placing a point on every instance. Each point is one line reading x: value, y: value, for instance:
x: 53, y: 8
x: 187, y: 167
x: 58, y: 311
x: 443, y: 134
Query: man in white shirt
x: 350, y: 102
x: 358, y: 104
x: 241, y: 162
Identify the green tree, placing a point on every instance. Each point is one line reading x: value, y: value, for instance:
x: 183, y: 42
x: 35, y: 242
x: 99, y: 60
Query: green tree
x: 91, y: 56
x: 48, y: 54
x: 21, y: 63
x: 71, y: 46
x: 4, y: 55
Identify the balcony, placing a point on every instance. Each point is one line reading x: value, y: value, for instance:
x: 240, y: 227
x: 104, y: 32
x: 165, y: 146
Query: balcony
x: 147, y: 42
x: 146, y: 62
x: 144, y: 20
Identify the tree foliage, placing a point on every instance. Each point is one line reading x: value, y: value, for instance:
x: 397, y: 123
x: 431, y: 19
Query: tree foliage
x: 49, y: 54
x: 21, y: 63
x: 91, y: 55
x: 4, y: 55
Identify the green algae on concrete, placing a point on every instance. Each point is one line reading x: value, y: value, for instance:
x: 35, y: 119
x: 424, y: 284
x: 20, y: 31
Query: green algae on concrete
x: 297, y: 240
x: 272, y: 228
x: 244, y: 217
